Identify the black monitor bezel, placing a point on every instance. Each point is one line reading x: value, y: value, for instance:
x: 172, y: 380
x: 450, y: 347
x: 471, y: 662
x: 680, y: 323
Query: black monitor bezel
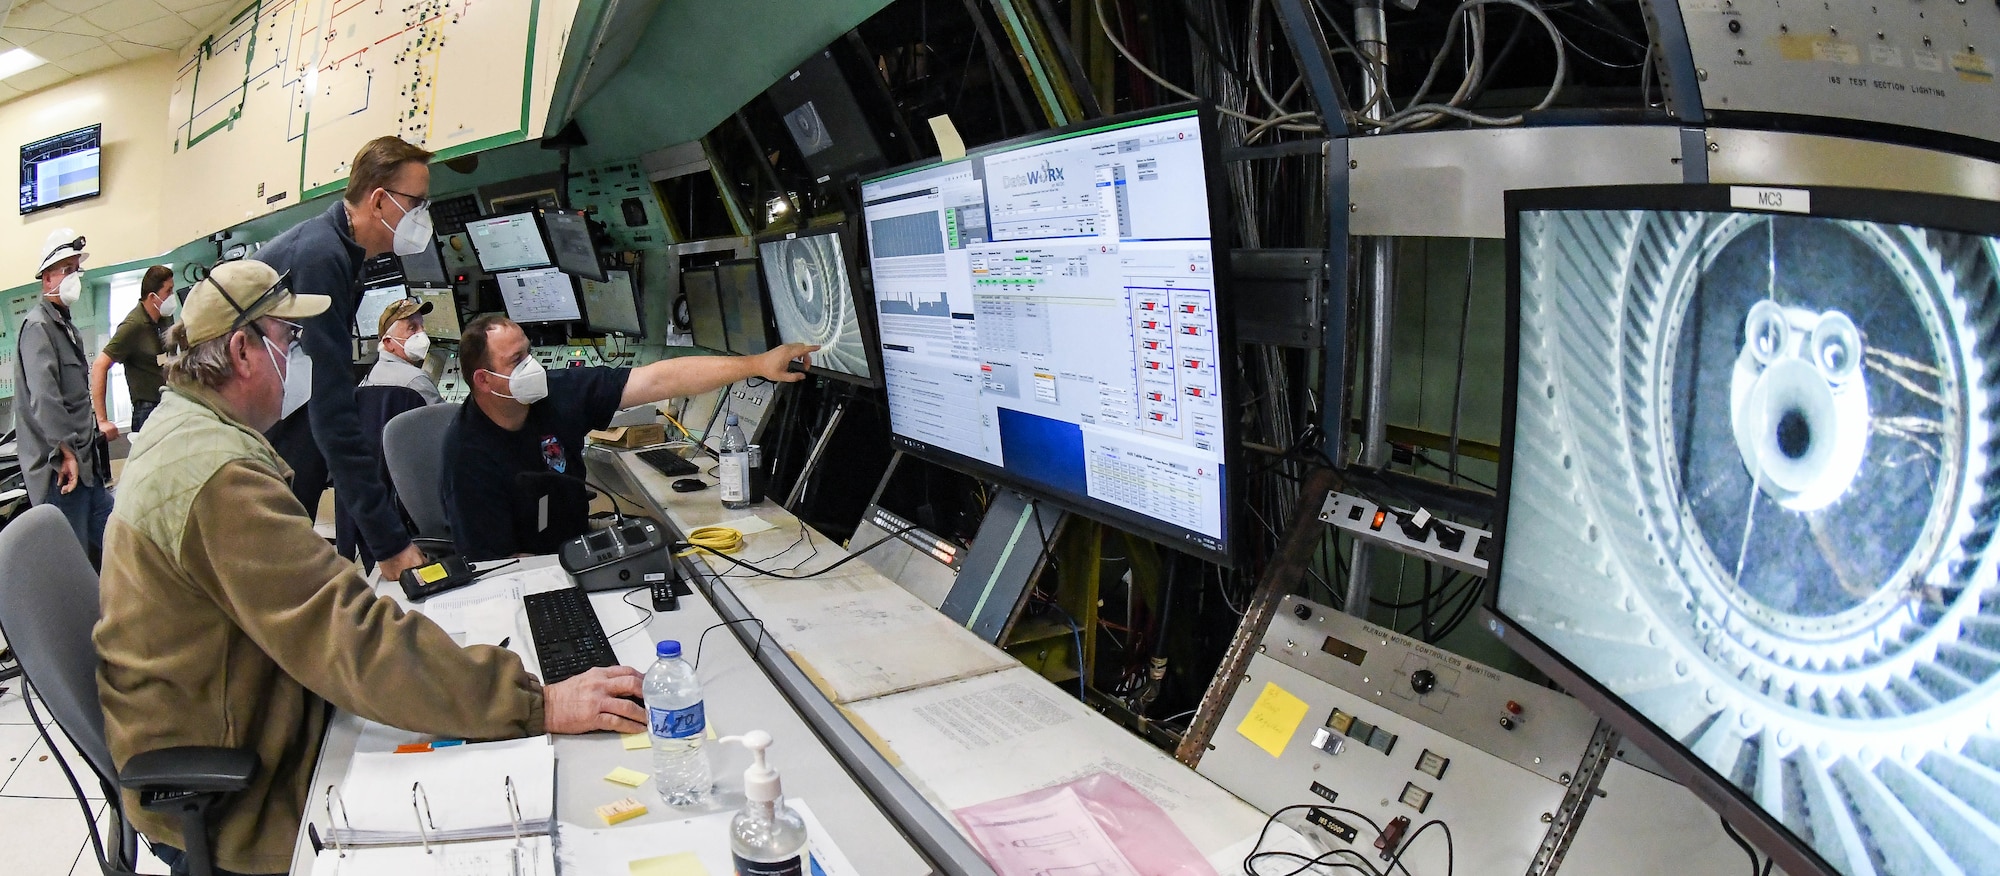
x: 760, y: 298
x: 1791, y: 852
x: 717, y: 285
x: 436, y: 256
x: 479, y: 256
x: 418, y: 290
x: 1220, y: 226
x: 575, y: 295
x: 862, y: 298
x: 98, y: 135
x: 542, y: 215
x: 638, y: 307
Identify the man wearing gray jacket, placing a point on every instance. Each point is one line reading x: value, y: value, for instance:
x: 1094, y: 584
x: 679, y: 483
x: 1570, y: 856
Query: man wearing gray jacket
x: 63, y: 462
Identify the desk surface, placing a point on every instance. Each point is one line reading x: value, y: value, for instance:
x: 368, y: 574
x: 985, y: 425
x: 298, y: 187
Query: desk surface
x: 738, y: 695
x: 959, y: 720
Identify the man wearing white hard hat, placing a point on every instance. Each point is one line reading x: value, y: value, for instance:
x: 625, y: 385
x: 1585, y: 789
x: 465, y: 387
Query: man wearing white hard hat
x: 229, y: 622
x: 64, y: 461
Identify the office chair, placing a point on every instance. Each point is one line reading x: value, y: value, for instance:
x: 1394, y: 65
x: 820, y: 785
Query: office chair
x: 413, y: 446
x: 48, y: 604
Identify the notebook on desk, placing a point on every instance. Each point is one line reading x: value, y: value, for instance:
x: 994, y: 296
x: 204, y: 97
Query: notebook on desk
x: 460, y: 793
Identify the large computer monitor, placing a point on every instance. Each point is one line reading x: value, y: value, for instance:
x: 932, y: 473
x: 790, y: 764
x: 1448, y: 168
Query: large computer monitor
x: 539, y: 295
x: 1054, y: 314
x: 368, y: 310
x: 426, y: 267
x: 698, y: 285
x: 812, y: 301
x: 1748, y: 502
x: 442, y: 323
x: 743, y: 322
x: 508, y: 242
x: 61, y: 169
x: 612, y: 306
x: 570, y: 244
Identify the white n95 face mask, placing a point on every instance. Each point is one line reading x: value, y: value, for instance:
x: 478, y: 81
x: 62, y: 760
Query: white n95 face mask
x: 416, y: 347
x: 170, y: 306
x: 298, y: 376
x: 528, y: 384
x: 71, y: 289
x: 413, y: 231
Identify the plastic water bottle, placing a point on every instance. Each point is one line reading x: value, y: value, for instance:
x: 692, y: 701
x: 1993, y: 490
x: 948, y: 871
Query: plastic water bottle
x: 734, y: 468
x: 678, y: 726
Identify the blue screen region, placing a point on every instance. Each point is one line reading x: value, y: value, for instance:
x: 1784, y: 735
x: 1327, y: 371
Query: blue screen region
x: 1045, y: 451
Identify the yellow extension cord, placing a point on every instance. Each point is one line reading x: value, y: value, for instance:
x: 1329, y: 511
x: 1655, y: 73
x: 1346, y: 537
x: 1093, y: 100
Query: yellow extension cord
x: 720, y: 539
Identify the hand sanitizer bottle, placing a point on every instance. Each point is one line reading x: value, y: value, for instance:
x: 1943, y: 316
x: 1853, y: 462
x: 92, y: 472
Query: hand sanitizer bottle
x: 767, y: 838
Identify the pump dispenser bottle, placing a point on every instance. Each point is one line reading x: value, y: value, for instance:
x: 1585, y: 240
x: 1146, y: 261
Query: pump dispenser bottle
x: 767, y: 838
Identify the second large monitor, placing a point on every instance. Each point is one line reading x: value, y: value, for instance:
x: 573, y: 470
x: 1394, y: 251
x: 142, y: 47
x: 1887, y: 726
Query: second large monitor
x: 813, y: 302
x: 1050, y: 315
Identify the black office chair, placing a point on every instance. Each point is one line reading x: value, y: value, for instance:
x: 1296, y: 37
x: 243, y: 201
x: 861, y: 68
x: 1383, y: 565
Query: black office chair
x: 48, y: 604
x: 413, y: 446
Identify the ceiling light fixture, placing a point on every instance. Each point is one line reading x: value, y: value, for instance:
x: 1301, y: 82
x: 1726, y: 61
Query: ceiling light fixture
x: 18, y: 61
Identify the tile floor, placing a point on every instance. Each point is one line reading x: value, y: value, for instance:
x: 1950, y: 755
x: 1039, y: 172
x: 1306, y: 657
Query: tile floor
x: 41, y: 827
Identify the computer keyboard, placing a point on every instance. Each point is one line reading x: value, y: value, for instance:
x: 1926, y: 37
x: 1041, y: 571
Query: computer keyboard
x: 568, y: 636
x: 668, y: 463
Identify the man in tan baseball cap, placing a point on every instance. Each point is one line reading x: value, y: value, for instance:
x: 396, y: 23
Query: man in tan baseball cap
x: 228, y: 621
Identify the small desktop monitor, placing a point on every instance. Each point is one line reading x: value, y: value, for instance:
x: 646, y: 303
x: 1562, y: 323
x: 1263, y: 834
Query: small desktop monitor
x: 612, y: 306
x: 442, y: 323
x: 427, y: 267
x: 1747, y: 496
x: 61, y: 169
x: 570, y: 244
x: 743, y: 322
x: 704, y: 306
x: 539, y: 295
x: 508, y: 242
x: 811, y: 300
x: 1054, y: 314
x: 368, y: 311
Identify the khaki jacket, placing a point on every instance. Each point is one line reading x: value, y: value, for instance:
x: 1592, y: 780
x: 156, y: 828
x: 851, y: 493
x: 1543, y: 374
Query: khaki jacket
x: 227, y: 621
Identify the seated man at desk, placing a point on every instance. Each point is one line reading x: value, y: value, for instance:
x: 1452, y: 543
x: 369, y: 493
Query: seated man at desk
x: 227, y: 621
x: 513, y: 478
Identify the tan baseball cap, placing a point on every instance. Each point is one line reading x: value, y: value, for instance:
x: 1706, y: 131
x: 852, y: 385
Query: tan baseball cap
x: 236, y: 293
x: 398, y: 311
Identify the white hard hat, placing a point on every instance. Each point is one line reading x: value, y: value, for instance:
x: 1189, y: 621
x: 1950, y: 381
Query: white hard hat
x: 61, y: 244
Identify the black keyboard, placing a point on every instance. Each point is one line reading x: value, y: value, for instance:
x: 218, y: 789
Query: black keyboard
x: 568, y: 636
x: 668, y: 463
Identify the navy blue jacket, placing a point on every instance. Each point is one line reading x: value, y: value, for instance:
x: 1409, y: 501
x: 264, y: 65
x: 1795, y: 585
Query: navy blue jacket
x: 325, y: 438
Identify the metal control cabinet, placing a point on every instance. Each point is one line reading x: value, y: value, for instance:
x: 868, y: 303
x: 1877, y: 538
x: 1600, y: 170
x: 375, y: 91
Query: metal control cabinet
x: 1927, y: 65
x: 1395, y: 727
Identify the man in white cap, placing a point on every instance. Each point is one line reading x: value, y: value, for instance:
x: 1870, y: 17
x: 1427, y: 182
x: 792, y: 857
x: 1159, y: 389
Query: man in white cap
x: 229, y: 622
x: 63, y: 461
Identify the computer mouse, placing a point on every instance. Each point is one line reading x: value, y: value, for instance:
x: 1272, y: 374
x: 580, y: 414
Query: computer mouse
x: 690, y: 485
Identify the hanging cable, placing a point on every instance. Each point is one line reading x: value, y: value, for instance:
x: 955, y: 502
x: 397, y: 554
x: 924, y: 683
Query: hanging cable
x: 1104, y: 24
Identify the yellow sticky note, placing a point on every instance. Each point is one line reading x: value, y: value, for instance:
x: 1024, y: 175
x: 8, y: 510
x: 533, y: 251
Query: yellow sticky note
x: 621, y: 810
x: 1272, y: 719
x: 624, y: 776
x: 431, y: 574
x: 951, y: 147
x: 681, y: 864
x: 636, y: 741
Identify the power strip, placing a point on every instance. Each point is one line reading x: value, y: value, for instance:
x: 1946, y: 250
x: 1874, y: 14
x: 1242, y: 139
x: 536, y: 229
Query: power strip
x: 1416, y: 533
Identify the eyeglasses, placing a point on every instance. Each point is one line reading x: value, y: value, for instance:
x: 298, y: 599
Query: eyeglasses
x: 294, y: 333
x: 420, y: 202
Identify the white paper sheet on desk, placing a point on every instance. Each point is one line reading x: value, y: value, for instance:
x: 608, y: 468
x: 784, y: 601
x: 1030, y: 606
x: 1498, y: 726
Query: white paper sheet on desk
x: 875, y: 643
x: 1008, y: 732
x: 611, y: 851
x: 532, y: 856
x: 748, y: 525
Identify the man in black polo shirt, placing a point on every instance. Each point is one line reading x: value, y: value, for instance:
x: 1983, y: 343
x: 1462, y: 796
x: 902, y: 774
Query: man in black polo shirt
x: 136, y: 344
x: 513, y: 479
